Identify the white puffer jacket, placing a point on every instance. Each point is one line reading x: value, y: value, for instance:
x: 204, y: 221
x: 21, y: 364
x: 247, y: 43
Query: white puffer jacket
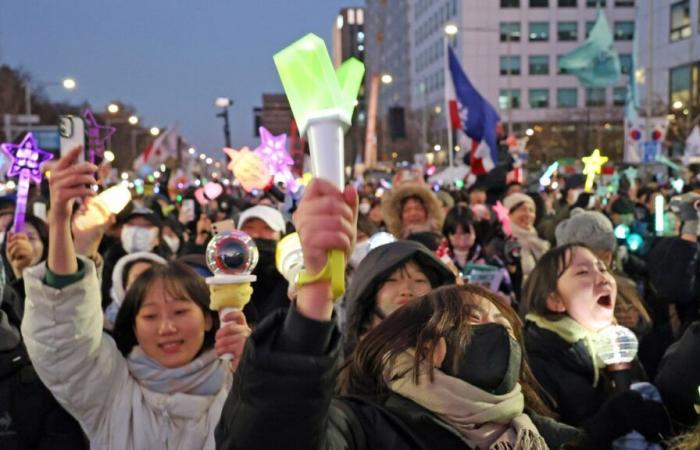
x: 88, y: 375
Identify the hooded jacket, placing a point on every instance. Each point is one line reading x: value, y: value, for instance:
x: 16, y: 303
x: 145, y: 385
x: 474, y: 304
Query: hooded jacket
x: 391, y: 208
x: 88, y: 375
x: 375, y: 268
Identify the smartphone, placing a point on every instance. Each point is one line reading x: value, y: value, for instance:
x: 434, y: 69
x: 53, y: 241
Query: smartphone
x: 71, y: 130
x: 188, y: 210
x: 223, y: 226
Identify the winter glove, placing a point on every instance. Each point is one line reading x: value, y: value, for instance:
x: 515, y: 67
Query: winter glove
x: 624, y: 412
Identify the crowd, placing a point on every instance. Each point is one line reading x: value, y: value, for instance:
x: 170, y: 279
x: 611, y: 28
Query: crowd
x: 471, y: 319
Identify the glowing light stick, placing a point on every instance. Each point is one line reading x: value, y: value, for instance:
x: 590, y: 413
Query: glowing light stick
x: 622, y: 231
x: 678, y: 184
x: 631, y: 174
x: 97, y: 135
x: 273, y: 151
x: 592, y: 166
x: 546, y: 178
x: 110, y: 201
x: 502, y: 214
x: 322, y: 102
x: 27, y: 159
x: 231, y: 256
x: 634, y: 242
x: 617, y: 346
x: 249, y: 169
x: 667, y: 162
x: 659, y: 215
x: 289, y: 257
x: 380, y: 238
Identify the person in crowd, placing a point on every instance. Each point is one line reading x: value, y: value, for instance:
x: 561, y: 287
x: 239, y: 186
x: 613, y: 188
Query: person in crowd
x: 595, y: 230
x: 477, y: 194
x: 126, y: 271
x: 266, y: 226
x: 173, y: 235
x: 464, y: 248
x: 521, y: 213
x: 415, y: 381
x: 390, y: 276
x: 158, y: 383
x: 141, y: 231
x: 375, y: 213
x: 411, y: 208
x: 678, y: 378
x: 446, y: 200
x: 569, y: 297
x: 512, y: 188
x: 23, y: 250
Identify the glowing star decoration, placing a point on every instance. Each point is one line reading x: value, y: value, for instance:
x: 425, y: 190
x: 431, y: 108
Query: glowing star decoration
x: 322, y: 102
x: 249, y: 169
x: 592, y: 167
x: 678, y: 184
x: 631, y: 174
x: 546, y: 178
x: 97, y: 135
x: 273, y: 151
x: 27, y: 159
x: 502, y: 214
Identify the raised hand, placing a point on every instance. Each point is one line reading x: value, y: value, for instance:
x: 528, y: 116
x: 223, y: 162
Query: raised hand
x: 232, y: 336
x: 19, y: 252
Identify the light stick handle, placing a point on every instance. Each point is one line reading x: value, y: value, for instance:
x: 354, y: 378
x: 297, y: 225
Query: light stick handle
x: 223, y: 313
x: 21, y: 206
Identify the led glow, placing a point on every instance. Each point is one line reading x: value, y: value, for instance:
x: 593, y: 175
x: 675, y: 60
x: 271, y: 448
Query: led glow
x: 592, y: 167
x: 380, y: 238
x: 133, y: 120
x: 125, y: 176
x: 622, y: 231
x: 109, y: 156
x: 546, y: 178
x: 659, y: 214
x: 156, y: 174
x: 10, y: 185
x: 529, y: 132
x: 451, y: 29
x: 113, y: 108
x: 634, y: 242
x: 678, y: 184
x: 616, y: 345
x: 273, y: 151
x: 503, y: 217
x: 115, y: 198
x: 202, y: 156
x: 437, y: 147
x: 312, y: 85
x: 155, y: 131
x: 209, y: 161
x: 69, y: 83
x: 191, y: 150
x: 387, y: 79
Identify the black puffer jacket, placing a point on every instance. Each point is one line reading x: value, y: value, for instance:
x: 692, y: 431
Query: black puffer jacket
x: 283, y: 397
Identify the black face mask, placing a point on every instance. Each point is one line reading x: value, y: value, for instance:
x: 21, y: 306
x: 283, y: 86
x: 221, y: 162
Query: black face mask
x: 491, y: 361
x: 266, y: 259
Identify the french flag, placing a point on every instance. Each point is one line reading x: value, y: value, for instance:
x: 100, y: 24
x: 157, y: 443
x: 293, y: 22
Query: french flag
x: 471, y: 113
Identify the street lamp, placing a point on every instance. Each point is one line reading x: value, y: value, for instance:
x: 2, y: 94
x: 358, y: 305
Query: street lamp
x: 225, y: 103
x: 155, y: 131
x: 68, y: 84
x: 113, y: 108
x: 677, y: 105
x: 387, y: 78
x: 133, y: 120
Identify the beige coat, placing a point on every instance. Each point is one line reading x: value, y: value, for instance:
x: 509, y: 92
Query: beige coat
x: 88, y: 375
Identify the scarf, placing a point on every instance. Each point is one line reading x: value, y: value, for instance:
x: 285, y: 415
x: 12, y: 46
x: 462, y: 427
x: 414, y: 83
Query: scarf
x: 530, y: 241
x: 491, y: 422
x: 205, y: 375
x: 572, y: 332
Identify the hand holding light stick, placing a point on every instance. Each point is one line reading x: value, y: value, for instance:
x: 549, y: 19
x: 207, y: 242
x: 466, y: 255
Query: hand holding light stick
x: 231, y: 256
x: 322, y: 102
x: 617, y: 346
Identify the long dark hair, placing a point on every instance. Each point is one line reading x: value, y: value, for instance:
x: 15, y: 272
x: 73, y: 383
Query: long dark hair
x: 42, y: 230
x: 180, y: 281
x: 419, y: 325
x: 460, y: 217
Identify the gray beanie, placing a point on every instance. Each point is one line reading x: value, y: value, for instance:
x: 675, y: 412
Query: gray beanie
x: 591, y: 228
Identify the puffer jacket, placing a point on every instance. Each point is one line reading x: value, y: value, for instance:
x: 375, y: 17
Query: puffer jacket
x: 89, y: 377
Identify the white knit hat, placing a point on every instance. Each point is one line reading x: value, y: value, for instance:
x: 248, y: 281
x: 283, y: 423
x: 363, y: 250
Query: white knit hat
x: 516, y: 199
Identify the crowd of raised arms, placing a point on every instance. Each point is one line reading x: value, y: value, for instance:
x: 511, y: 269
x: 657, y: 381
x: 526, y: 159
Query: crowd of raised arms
x: 472, y: 319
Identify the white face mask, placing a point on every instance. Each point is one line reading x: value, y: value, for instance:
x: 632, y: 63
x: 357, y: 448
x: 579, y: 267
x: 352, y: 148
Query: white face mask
x: 359, y: 252
x: 139, y: 239
x: 173, y: 242
x: 365, y: 208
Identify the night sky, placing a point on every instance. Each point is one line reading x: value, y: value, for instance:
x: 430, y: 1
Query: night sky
x: 168, y: 58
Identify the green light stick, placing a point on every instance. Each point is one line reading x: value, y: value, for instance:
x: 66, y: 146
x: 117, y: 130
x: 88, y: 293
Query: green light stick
x: 322, y: 102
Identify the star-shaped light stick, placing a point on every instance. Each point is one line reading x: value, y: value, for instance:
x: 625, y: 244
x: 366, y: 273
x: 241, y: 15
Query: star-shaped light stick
x: 592, y: 166
x: 273, y: 151
x: 27, y: 158
x: 322, y: 102
x: 97, y: 135
x: 248, y: 168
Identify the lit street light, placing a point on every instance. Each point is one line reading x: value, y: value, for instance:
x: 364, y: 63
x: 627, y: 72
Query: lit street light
x: 677, y: 104
x: 113, y: 108
x: 133, y: 120
x: 155, y: 131
x: 387, y: 78
x: 68, y: 84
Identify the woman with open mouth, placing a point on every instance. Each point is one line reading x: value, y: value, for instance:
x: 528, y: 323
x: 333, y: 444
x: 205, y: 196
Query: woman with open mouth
x: 569, y: 297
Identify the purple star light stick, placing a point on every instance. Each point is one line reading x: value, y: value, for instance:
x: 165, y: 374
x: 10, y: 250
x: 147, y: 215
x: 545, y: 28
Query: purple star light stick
x: 97, y: 135
x: 27, y: 159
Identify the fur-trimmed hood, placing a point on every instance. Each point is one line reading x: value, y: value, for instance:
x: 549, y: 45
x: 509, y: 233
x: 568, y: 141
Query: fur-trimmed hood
x: 391, y: 207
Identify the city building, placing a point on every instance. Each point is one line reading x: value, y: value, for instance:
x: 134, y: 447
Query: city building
x: 509, y: 49
x: 349, y: 41
x: 669, y: 43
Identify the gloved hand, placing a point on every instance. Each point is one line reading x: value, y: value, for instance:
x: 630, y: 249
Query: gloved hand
x: 511, y: 252
x: 625, y: 412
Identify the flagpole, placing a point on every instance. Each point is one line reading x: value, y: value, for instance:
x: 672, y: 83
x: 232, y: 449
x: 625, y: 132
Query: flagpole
x: 650, y: 71
x: 450, y: 145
